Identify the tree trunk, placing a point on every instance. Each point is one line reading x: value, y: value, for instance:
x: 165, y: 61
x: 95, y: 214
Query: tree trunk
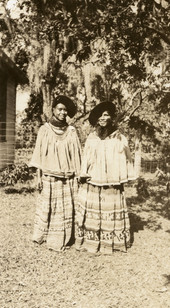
x: 138, y: 152
x: 47, y: 102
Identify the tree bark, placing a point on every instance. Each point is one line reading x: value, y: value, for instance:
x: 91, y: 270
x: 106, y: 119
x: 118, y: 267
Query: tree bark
x: 138, y: 153
x: 47, y: 101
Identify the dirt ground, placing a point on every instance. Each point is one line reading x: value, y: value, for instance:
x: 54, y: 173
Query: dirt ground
x: 33, y: 276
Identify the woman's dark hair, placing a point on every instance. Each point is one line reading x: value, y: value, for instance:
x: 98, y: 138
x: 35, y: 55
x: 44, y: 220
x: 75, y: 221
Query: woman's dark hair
x: 62, y: 99
x: 99, y: 109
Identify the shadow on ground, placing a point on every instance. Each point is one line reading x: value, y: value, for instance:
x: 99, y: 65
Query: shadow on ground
x: 167, y: 279
x: 156, y: 201
x: 144, y: 211
x: 136, y: 224
x: 21, y: 190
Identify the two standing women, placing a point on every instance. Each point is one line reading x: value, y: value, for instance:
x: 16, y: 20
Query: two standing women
x: 102, y: 222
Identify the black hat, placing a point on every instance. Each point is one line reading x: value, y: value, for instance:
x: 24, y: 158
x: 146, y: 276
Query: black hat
x: 62, y: 99
x: 99, y: 109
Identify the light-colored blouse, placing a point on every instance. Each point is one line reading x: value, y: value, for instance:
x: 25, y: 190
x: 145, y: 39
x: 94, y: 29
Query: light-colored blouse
x: 108, y: 161
x: 57, y: 152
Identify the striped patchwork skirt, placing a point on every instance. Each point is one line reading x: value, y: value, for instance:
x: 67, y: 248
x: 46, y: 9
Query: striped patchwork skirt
x: 54, y: 217
x: 102, y: 221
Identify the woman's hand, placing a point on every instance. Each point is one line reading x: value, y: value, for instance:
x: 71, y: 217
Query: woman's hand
x: 83, y: 178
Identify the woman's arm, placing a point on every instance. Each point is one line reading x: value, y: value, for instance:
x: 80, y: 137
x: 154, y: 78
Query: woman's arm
x: 39, y: 179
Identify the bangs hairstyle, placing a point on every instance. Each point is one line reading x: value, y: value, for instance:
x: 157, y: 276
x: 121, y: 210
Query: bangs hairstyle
x: 99, y: 109
x: 66, y: 101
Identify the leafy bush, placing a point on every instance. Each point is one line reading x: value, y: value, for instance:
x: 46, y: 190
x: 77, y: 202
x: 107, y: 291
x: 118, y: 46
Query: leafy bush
x: 142, y: 188
x: 16, y: 173
x: 26, y: 133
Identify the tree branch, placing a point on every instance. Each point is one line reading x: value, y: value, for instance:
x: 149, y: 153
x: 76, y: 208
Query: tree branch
x: 139, y: 104
x: 133, y: 96
x: 5, y: 16
x: 134, y: 109
x: 165, y: 37
x: 84, y: 114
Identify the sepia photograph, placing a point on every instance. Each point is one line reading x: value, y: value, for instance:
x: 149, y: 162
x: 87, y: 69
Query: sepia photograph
x: 84, y: 154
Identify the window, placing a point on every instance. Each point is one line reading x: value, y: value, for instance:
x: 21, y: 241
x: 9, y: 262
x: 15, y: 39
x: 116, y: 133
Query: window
x: 3, y: 90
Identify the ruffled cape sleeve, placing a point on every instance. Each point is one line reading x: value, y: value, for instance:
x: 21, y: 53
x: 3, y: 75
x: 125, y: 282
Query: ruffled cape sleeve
x: 75, y: 150
x: 126, y: 164
x: 36, y: 160
x: 58, y: 155
x: 88, y: 156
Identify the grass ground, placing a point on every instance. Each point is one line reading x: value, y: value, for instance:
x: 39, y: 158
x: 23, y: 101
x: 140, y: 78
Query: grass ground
x: 35, y: 277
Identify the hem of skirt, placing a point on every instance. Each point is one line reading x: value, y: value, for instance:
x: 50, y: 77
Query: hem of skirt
x: 101, y: 251
x: 86, y: 245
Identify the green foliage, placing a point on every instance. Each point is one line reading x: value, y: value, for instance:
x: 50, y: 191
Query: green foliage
x: 47, y: 34
x: 142, y: 188
x: 16, y: 173
x: 26, y: 133
x: 35, y: 108
x: 164, y: 105
x: 27, y: 127
x: 145, y: 127
x: 21, y: 59
x: 125, y: 25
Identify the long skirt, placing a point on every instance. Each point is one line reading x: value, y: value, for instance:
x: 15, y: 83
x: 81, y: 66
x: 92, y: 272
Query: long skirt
x: 54, y: 217
x: 102, y: 221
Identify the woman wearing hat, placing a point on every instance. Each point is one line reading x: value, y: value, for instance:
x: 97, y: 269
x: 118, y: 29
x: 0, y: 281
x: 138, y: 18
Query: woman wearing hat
x: 57, y: 157
x: 102, y: 222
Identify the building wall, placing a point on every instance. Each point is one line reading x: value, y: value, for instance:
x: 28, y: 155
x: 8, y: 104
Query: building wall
x: 7, y: 147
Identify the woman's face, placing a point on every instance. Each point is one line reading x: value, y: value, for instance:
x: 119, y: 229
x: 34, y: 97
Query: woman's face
x: 60, y: 112
x: 104, y: 119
